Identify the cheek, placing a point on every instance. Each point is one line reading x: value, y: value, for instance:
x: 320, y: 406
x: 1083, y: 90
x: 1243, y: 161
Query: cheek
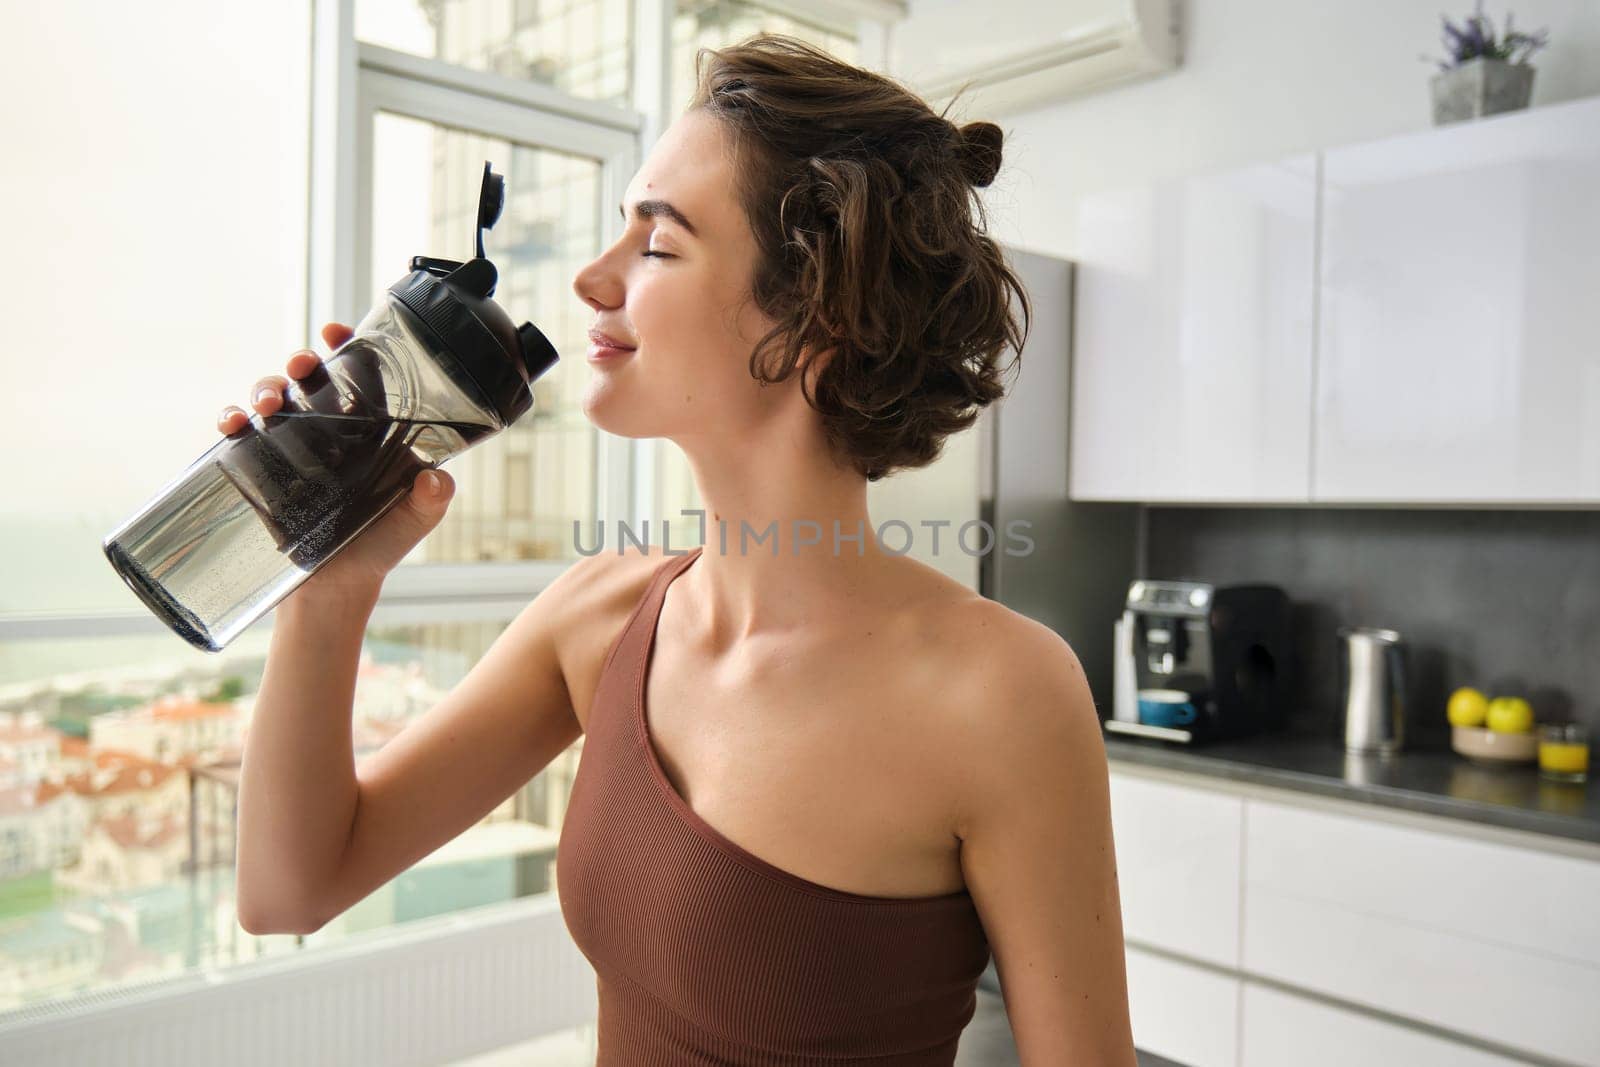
x: 690, y: 318
x: 659, y: 308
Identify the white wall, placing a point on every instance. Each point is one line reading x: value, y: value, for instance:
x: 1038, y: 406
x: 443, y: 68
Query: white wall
x: 1260, y: 79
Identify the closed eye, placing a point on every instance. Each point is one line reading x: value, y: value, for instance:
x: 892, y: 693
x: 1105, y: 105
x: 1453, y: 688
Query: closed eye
x: 662, y: 255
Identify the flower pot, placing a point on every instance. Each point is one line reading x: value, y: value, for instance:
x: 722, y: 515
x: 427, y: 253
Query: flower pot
x: 1480, y: 87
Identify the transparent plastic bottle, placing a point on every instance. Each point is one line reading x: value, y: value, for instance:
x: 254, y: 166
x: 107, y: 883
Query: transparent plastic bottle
x: 433, y: 369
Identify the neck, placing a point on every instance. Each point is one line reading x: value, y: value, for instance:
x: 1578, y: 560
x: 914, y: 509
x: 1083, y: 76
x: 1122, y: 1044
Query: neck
x: 788, y: 540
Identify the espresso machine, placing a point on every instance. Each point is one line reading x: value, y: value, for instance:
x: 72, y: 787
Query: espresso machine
x: 1196, y: 662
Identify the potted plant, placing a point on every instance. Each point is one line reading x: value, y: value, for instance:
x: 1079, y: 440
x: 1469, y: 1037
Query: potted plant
x: 1484, y: 74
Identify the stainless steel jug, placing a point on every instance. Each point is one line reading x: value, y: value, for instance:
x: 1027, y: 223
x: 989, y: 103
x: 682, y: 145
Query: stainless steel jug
x: 1372, y: 689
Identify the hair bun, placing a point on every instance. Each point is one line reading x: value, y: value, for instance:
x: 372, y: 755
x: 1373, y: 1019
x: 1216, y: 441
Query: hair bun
x: 978, y: 147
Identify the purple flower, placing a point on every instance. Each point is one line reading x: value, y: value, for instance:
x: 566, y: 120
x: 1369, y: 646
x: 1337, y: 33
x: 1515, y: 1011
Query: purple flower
x: 1474, y: 38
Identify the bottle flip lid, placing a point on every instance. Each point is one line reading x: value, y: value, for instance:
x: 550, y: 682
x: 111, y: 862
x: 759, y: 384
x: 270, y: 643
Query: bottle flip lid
x: 453, y: 300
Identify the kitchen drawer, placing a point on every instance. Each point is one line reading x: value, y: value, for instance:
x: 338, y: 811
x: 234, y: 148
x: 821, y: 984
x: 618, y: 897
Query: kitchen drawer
x: 1281, y: 1028
x: 1178, y: 866
x: 1183, y: 1012
x: 1486, y: 939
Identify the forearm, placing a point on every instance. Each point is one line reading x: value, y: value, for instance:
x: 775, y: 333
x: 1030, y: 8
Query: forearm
x: 297, y: 784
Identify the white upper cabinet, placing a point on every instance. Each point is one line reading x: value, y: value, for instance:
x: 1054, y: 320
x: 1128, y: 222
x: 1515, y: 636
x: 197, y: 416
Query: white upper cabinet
x: 1458, y: 356
x: 1192, y: 364
x: 1453, y: 276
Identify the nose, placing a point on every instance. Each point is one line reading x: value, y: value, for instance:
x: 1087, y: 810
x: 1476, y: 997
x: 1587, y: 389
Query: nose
x: 599, y: 284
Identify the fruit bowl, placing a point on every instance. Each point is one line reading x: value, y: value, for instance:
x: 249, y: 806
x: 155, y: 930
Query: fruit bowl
x: 1491, y: 746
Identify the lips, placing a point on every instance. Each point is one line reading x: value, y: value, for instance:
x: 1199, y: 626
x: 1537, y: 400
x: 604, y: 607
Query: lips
x: 604, y: 348
x: 604, y: 340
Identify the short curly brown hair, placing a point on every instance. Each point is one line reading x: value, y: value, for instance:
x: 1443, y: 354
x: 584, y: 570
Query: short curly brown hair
x: 872, y: 243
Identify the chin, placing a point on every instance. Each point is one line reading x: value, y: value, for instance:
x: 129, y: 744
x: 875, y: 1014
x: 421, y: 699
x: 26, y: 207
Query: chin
x: 609, y: 408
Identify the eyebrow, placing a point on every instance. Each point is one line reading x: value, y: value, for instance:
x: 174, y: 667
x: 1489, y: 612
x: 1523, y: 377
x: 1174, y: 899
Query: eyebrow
x: 649, y: 209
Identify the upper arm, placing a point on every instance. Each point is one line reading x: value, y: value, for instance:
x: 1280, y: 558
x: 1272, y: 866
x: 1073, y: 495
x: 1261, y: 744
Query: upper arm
x: 449, y: 767
x: 1038, y: 856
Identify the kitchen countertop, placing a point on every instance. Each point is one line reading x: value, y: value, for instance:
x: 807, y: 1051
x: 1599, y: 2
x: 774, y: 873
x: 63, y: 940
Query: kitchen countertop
x: 1436, y: 782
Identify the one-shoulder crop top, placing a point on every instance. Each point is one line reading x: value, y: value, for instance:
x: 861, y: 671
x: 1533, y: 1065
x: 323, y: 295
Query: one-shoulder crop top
x: 706, y: 955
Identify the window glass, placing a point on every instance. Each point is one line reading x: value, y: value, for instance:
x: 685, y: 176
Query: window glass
x: 582, y: 47
x: 159, y: 236
x: 426, y: 180
x: 700, y: 24
x: 122, y: 798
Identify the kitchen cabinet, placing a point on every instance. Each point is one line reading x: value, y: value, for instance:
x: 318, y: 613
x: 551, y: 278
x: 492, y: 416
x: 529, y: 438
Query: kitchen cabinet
x: 1183, y: 846
x: 1329, y: 932
x: 1405, y: 321
x: 1182, y: 1012
x: 1488, y: 940
x: 1456, y: 356
x: 1282, y: 1028
x: 1192, y: 349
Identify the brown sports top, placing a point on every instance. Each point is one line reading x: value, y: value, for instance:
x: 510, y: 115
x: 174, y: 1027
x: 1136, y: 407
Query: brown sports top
x: 708, y: 956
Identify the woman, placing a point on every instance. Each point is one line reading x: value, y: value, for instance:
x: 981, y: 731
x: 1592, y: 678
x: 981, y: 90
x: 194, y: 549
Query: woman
x: 820, y: 781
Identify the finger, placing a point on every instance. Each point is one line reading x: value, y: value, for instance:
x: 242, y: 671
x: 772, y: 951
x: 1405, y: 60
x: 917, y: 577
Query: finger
x: 303, y: 364
x: 312, y: 389
x: 232, y: 419
x: 267, y: 394
x: 335, y: 334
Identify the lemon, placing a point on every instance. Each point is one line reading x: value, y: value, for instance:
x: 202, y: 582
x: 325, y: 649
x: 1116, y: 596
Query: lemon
x: 1510, y: 715
x: 1467, y: 707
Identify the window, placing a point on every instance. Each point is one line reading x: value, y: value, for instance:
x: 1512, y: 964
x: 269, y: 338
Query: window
x: 581, y: 47
x: 700, y: 24
x: 117, y: 172
x: 166, y: 270
x: 425, y: 181
x: 180, y: 245
x: 519, y: 479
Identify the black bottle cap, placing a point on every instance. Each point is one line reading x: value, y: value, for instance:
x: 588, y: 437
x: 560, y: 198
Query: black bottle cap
x: 537, y: 351
x: 454, y: 303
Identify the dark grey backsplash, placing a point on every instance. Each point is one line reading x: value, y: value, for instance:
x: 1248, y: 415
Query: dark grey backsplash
x: 1506, y: 601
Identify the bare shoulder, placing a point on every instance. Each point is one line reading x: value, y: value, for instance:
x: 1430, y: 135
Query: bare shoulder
x: 605, y: 579
x: 1015, y: 650
x: 590, y: 603
x: 1001, y: 652
x: 1019, y: 706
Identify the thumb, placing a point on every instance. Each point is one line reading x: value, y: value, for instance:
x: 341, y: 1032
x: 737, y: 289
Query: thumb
x: 421, y: 509
x: 431, y: 494
x: 410, y: 520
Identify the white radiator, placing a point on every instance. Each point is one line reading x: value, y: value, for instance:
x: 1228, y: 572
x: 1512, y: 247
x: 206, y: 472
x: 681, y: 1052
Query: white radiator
x: 428, y: 992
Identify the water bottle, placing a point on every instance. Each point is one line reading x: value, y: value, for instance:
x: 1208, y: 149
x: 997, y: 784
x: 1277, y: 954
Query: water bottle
x: 433, y: 369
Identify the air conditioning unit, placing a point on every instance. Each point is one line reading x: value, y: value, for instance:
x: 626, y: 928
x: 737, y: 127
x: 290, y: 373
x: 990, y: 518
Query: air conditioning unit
x: 1003, y: 56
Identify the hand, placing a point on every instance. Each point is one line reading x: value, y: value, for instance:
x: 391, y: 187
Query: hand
x: 361, y: 566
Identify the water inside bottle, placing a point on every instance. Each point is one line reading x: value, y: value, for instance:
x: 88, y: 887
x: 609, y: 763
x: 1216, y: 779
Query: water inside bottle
x: 315, y: 479
x: 294, y: 485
